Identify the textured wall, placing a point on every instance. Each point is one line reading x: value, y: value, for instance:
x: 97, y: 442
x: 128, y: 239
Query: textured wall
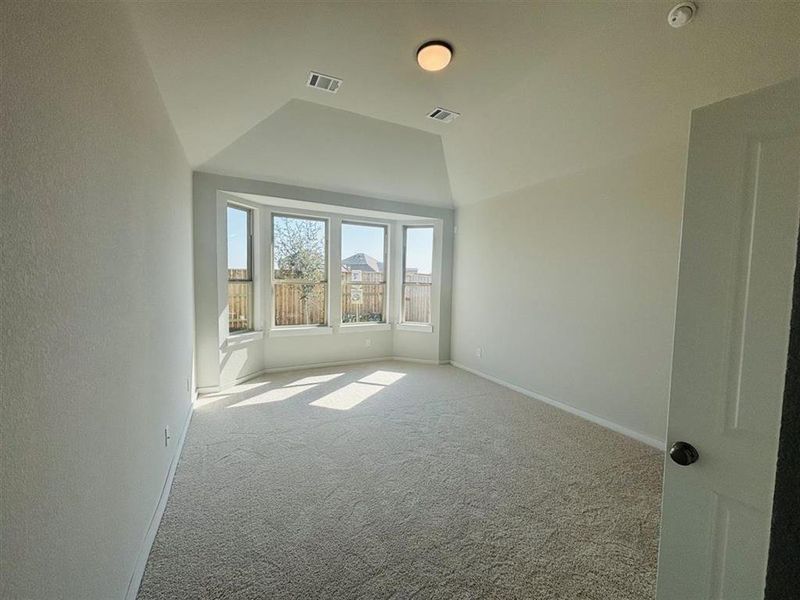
x: 569, y: 288
x: 97, y: 326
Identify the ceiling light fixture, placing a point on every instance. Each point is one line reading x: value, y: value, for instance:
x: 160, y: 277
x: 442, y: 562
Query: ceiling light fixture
x: 434, y: 55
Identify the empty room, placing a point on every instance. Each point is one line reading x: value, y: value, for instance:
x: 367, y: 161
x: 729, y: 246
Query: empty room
x: 391, y: 300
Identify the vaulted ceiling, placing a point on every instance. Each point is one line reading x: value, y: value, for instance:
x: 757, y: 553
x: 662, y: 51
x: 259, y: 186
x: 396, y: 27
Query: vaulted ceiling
x: 545, y: 88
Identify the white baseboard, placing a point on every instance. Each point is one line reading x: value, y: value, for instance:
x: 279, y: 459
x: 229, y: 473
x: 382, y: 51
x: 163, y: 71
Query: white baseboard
x: 246, y: 378
x: 646, y: 439
x: 150, y: 536
x: 421, y: 361
x: 338, y: 363
x: 213, y: 389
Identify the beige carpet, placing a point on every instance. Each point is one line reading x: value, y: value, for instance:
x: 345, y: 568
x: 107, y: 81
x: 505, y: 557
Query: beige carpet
x: 397, y: 480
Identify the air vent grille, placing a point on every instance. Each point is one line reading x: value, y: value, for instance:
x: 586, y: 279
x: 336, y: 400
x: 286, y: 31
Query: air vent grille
x: 443, y: 115
x: 323, y: 82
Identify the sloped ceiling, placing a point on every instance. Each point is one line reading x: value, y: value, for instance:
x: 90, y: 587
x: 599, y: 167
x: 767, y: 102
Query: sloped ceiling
x: 311, y: 145
x: 545, y: 88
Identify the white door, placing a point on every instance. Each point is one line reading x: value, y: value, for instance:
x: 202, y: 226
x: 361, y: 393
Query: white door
x: 740, y: 224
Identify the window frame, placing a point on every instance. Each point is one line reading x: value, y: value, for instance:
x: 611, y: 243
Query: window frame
x: 386, y: 272
x: 403, y: 283
x: 250, y: 212
x: 326, y: 271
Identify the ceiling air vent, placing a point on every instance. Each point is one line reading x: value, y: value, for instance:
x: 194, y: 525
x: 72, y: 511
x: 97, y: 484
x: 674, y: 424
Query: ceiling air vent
x: 443, y: 115
x: 323, y: 82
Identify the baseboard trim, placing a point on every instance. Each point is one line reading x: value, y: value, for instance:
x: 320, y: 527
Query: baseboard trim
x: 213, y: 389
x: 420, y: 361
x: 150, y: 536
x: 337, y: 363
x: 246, y: 378
x: 646, y: 439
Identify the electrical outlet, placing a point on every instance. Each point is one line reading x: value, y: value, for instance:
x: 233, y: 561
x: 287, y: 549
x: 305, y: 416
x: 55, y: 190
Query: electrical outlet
x: 167, y: 437
x: 479, y: 352
x: 367, y: 342
x: 188, y: 384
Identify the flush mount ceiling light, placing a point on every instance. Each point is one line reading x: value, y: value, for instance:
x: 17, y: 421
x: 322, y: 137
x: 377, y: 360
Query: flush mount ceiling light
x: 434, y: 55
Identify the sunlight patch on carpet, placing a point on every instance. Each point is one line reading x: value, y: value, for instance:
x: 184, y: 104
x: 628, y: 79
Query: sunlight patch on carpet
x: 275, y: 395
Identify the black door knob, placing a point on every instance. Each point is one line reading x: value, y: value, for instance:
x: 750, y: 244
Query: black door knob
x: 684, y: 454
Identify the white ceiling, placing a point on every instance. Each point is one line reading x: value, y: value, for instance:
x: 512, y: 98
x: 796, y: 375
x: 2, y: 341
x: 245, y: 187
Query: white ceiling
x: 545, y: 88
x: 307, y: 144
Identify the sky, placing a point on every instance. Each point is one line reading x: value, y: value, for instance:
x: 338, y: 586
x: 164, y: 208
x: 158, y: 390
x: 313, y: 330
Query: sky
x: 355, y: 239
x: 419, y: 248
x: 237, y: 238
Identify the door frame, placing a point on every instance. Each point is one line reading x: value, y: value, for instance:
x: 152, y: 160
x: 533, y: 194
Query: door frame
x: 783, y: 562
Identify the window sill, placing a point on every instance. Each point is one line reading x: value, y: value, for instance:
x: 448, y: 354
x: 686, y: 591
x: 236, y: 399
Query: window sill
x: 239, y: 339
x: 363, y: 327
x: 303, y: 330
x: 417, y: 327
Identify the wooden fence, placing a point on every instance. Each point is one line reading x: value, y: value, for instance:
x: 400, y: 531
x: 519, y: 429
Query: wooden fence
x: 240, y: 301
x: 363, y: 302
x: 303, y: 304
x: 300, y: 303
x: 417, y: 299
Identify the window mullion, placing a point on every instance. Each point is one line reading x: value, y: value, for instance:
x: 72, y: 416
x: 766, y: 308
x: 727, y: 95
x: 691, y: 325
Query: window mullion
x: 334, y: 272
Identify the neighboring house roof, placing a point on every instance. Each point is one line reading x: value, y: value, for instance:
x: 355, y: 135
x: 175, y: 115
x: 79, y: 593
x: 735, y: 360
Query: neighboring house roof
x: 362, y: 262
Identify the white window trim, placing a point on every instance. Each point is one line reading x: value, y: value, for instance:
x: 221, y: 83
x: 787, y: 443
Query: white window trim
x: 245, y: 337
x: 415, y: 327
x: 364, y: 327
x: 295, y: 330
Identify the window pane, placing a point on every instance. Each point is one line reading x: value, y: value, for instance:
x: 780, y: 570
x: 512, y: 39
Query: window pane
x: 240, y: 305
x: 418, y: 274
x: 363, y: 273
x: 419, y: 254
x: 240, y: 273
x: 363, y: 302
x: 417, y: 303
x: 299, y: 248
x: 238, y: 243
x: 300, y: 303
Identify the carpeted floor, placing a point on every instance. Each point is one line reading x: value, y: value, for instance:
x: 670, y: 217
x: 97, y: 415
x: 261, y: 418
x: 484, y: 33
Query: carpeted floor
x: 398, y: 480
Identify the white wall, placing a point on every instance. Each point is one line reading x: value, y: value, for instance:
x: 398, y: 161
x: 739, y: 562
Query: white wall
x: 97, y: 301
x: 569, y: 287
